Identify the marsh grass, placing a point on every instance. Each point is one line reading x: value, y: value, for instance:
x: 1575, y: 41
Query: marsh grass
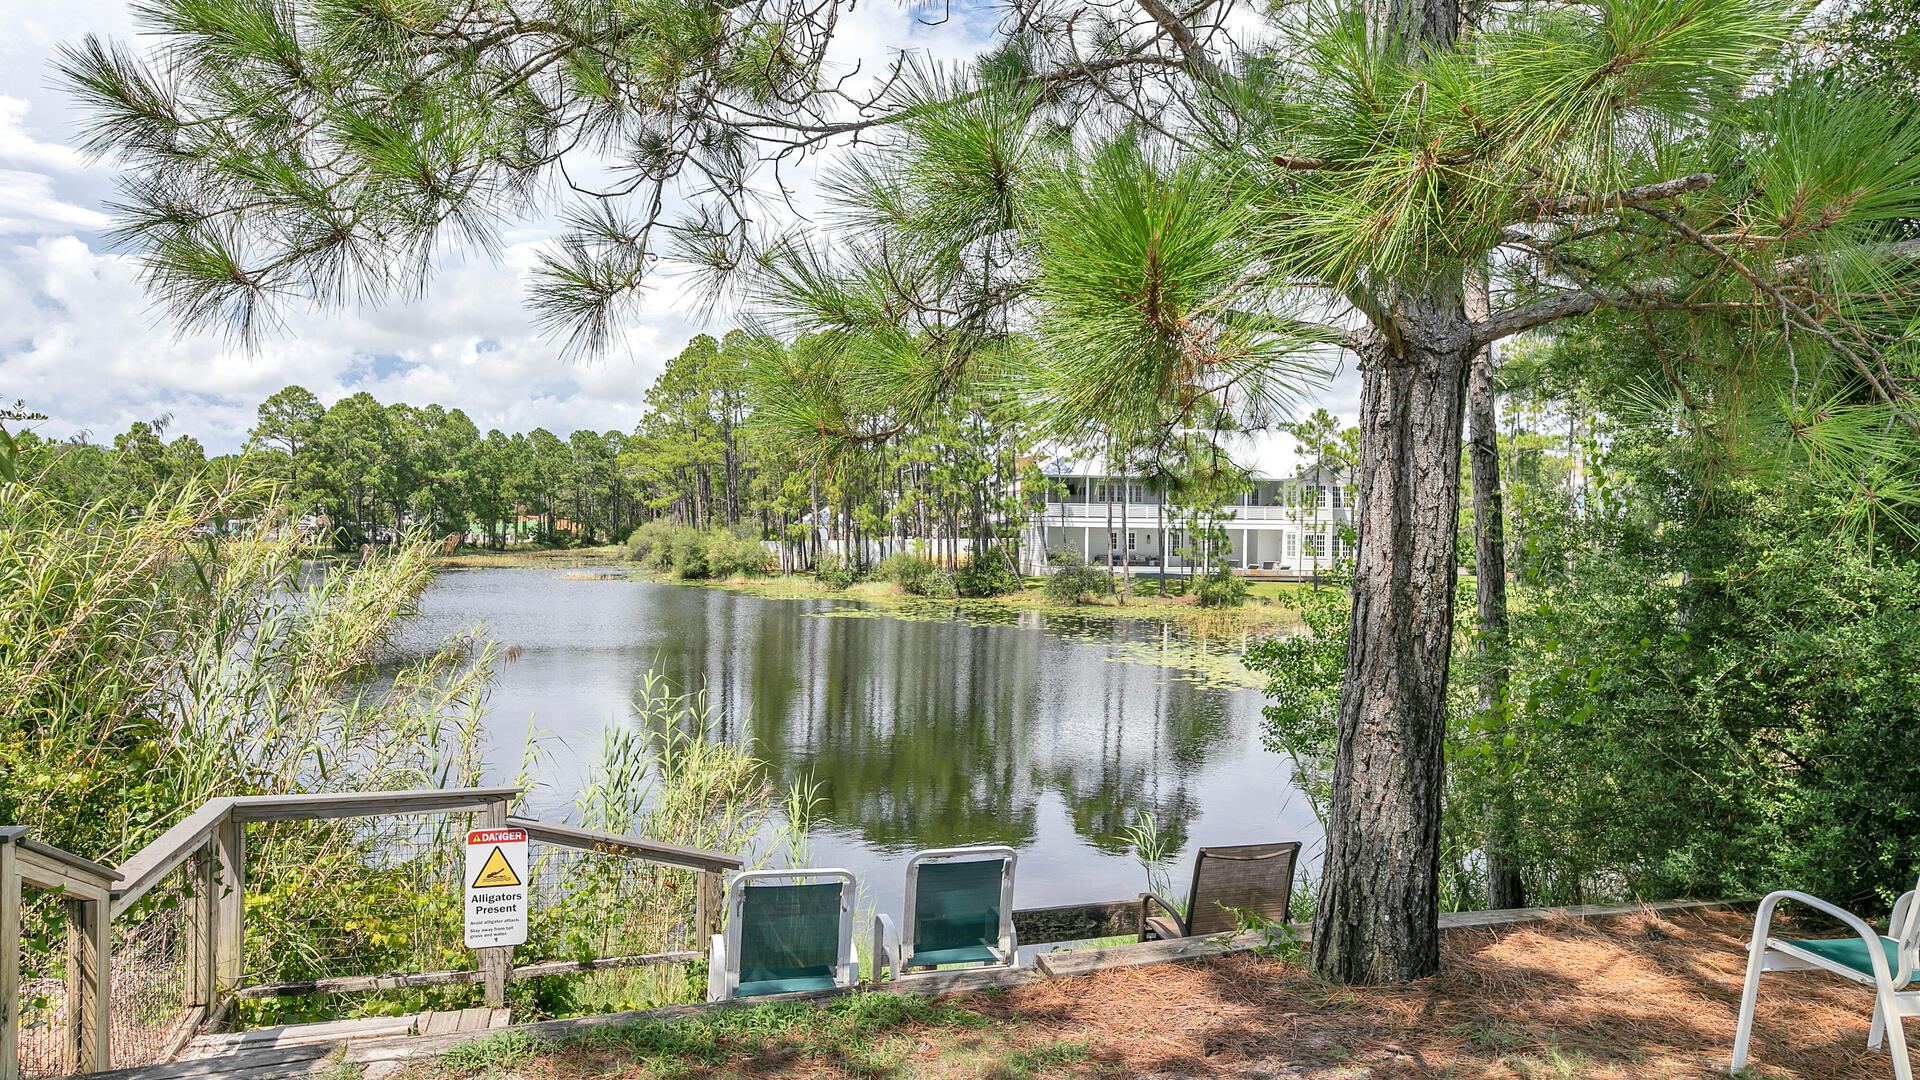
x: 156, y: 658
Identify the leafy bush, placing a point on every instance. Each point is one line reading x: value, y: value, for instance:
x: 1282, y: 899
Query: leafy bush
x: 686, y: 554
x: 1222, y: 588
x: 1074, y: 579
x: 984, y: 575
x: 693, y: 555
x: 645, y: 539
x: 731, y: 554
x: 836, y: 571
x: 915, y: 574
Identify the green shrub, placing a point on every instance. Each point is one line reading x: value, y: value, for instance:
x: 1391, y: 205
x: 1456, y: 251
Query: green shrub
x: 1074, y: 579
x: 645, y: 539
x: 984, y: 575
x: 735, y: 554
x: 687, y: 554
x: 915, y: 574
x: 836, y: 571
x: 1222, y: 588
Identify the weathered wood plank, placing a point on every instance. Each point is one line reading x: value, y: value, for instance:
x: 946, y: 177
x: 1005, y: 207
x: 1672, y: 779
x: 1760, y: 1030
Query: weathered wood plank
x: 261, y: 1064
x: 573, y: 836
x: 443, y: 1022
x: 369, y: 803
x: 97, y: 875
x: 89, y: 983
x: 1086, y: 961
x: 353, y: 984
x: 41, y: 870
x: 495, y: 962
x: 1076, y: 922
x: 9, y: 956
x: 230, y: 906
x: 475, y: 1019
x: 709, y: 905
x: 282, y: 1035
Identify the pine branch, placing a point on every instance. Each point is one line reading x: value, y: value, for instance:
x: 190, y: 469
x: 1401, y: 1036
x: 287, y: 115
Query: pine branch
x: 1538, y: 209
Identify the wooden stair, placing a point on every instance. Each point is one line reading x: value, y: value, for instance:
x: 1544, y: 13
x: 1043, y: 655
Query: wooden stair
x: 290, y: 1050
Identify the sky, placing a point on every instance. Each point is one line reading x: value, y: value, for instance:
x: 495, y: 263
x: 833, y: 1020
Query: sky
x: 80, y: 343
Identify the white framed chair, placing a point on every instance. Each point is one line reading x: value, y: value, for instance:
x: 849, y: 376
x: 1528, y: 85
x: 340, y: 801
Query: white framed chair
x: 959, y: 910
x: 785, y: 938
x: 1885, y: 963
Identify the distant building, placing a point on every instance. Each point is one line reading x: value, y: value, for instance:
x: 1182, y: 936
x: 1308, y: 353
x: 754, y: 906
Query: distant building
x: 1280, y: 527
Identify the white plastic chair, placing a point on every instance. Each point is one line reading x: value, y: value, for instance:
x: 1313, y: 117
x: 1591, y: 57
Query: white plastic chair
x: 783, y: 939
x: 936, y: 932
x: 1887, y: 964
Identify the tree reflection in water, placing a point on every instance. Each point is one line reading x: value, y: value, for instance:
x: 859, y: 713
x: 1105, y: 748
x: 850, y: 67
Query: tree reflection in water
x: 1050, y: 735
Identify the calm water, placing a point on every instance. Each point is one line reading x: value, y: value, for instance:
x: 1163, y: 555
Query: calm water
x: 1049, y: 735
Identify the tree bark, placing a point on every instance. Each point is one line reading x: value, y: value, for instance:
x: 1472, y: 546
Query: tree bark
x: 1504, y: 887
x: 1378, y: 916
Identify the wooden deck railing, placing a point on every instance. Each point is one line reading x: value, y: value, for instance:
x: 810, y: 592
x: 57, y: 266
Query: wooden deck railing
x: 209, y: 846
x: 83, y: 885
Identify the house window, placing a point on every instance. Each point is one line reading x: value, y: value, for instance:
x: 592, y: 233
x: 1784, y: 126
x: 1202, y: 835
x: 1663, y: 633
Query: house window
x: 1113, y: 541
x: 1132, y: 541
x: 1293, y: 545
x: 1337, y: 501
x: 1316, y: 545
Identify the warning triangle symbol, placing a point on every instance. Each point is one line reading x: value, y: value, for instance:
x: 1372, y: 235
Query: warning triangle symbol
x: 496, y: 872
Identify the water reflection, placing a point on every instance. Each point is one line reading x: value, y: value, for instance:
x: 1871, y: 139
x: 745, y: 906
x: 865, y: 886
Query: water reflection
x: 1050, y: 735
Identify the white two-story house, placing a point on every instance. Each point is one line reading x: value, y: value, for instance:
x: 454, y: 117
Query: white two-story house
x: 1280, y: 527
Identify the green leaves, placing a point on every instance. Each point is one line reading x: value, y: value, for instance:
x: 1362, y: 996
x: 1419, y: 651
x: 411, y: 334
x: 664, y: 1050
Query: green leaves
x: 1148, y: 299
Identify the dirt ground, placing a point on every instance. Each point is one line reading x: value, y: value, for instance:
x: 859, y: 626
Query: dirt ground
x: 1641, y: 996
x: 1635, y: 996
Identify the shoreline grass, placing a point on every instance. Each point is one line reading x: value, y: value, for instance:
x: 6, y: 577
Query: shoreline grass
x: 1269, y: 609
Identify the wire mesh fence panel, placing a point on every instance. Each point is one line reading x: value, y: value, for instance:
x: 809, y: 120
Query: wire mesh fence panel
x: 354, y: 897
x: 43, y: 1044
x: 157, y: 993
x: 587, y: 905
x: 590, y: 906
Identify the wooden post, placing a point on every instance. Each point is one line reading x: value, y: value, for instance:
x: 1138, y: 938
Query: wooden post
x: 497, y: 961
x: 230, y: 914
x: 9, y: 963
x: 709, y: 906
x: 201, y: 912
x: 89, y: 986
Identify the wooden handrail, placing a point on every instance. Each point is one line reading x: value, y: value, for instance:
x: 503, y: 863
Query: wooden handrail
x: 171, y: 848
x: 574, y: 836
x: 368, y: 803
x: 195, y: 831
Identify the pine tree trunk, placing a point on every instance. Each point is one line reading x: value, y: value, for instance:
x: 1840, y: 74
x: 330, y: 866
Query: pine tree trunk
x: 1504, y: 887
x: 1378, y: 916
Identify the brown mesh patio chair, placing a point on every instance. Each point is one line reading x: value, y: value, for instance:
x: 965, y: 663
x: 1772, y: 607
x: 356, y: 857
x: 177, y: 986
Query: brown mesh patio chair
x: 1255, y: 878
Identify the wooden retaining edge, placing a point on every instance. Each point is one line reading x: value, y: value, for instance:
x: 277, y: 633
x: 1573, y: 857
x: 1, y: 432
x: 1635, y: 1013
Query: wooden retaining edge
x: 1088, y: 961
x: 1064, y: 964
x: 1052, y: 965
x: 350, y: 984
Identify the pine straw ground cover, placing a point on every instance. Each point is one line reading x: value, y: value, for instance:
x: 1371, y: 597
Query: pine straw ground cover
x: 1629, y: 997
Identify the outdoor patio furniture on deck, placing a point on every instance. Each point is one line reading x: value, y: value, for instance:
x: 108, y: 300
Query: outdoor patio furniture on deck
x: 1252, y: 878
x: 1887, y: 964
x: 959, y: 910
x: 783, y: 938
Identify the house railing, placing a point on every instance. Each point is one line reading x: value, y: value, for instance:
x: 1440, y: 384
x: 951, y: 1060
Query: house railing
x: 167, y: 932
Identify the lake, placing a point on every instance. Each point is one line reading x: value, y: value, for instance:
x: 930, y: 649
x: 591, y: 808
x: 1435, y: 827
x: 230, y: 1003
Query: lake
x: 1050, y: 734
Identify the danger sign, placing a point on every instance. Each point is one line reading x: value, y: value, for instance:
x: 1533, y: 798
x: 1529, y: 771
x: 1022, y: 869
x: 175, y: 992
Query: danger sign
x: 496, y: 887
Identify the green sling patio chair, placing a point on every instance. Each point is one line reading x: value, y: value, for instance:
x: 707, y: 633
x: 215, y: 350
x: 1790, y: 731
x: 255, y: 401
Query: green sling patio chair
x: 1252, y: 878
x: 784, y: 938
x: 1886, y: 963
x: 959, y: 910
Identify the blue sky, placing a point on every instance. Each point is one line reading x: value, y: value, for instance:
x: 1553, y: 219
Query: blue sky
x: 79, y: 342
